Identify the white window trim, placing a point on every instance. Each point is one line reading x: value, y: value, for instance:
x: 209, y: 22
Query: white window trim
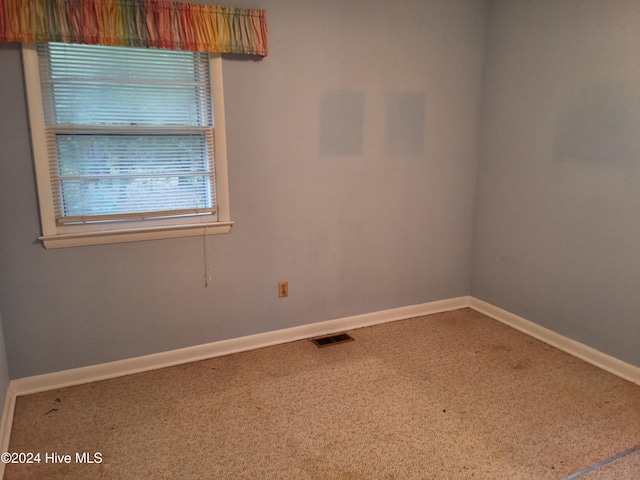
x: 54, y: 236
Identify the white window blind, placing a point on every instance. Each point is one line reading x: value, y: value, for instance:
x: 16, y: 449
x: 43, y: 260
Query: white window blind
x: 129, y: 132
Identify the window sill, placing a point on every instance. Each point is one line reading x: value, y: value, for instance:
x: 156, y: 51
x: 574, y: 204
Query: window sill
x: 134, y: 235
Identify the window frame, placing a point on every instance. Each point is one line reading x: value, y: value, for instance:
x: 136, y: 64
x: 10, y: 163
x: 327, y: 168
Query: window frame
x: 60, y: 236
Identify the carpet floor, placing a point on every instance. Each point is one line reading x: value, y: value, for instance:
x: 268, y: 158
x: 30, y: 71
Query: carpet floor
x: 455, y: 395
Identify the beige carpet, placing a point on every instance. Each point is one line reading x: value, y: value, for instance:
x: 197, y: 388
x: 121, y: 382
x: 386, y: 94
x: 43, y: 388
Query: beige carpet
x: 454, y: 395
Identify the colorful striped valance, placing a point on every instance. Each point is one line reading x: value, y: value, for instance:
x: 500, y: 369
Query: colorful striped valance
x: 135, y: 23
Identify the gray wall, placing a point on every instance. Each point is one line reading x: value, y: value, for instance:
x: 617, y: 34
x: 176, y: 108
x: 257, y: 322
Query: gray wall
x: 4, y: 371
x: 557, y: 227
x: 352, y: 152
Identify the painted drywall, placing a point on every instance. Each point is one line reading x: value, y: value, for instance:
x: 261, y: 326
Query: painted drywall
x: 353, y: 224
x: 4, y: 370
x: 557, y: 229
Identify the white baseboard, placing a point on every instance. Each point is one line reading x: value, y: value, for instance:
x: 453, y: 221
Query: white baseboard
x: 93, y: 373
x: 7, y: 421
x: 588, y: 354
x: 119, y: 368
x: 77, y: 376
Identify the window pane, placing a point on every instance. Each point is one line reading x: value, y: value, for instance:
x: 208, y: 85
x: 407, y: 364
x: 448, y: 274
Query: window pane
x: 97, y: 85
x: 133, y: 195
x: 108, y: 174
x: 98, y: 62
x: 100, y: 103
x: 131, y: 154
x: 116, y: 117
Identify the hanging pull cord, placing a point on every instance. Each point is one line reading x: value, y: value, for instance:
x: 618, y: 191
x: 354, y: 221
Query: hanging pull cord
x: 207, y: 269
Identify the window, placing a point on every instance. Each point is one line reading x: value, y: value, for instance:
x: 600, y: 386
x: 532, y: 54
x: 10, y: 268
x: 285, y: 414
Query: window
x: 124, y: 143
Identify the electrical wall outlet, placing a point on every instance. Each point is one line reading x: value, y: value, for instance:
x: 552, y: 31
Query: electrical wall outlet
x: 283, y: 288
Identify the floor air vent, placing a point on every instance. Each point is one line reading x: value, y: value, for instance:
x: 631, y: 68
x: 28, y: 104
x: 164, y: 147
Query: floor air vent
x: 332, y: 339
